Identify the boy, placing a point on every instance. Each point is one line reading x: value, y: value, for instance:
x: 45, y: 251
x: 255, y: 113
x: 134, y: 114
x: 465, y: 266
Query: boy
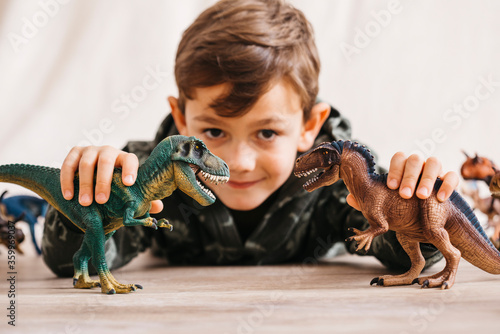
x: 247, y: 73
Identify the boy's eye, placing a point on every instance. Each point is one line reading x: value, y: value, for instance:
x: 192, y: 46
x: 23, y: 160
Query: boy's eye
x: 267, y: 134
x: 213, y: 133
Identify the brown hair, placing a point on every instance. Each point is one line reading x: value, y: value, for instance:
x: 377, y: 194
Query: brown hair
x: 249, y: 44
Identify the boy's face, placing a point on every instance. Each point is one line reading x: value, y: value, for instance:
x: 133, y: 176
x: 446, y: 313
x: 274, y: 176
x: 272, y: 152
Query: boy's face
x: 259, y: 147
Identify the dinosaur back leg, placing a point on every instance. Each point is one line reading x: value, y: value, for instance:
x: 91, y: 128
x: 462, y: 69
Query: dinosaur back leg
x: 412, y: 248
x: 95, y: 239
x: 446, y: 278
x: 81, y: 279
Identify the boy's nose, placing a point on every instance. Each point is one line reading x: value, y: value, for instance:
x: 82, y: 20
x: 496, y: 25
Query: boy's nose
x: 241, y: 158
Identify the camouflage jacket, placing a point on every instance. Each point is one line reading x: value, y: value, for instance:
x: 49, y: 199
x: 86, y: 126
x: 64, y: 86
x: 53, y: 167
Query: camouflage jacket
x: 295, y: 226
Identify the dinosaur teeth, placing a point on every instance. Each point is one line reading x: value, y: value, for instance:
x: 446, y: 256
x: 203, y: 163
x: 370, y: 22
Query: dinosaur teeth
x: 207, y: 191
x: 214, y: 178
x: 306, y: 173
x: 311, y: 181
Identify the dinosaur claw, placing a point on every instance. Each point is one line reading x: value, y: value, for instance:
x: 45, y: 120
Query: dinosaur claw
x: 414, y: 281
x: 112, y: 292
x: 425, y: 284
x: 74, y: 281
x: 444, y: 286
x: 373, y: 281
x: 380, y: 282
x: 138, y: 286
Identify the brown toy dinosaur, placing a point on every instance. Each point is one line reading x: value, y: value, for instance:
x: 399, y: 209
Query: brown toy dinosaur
x: 477, y: 168
x: 495, y: 184
x: 483, y: 169
x: 451, y: 226
x: 490, y: 206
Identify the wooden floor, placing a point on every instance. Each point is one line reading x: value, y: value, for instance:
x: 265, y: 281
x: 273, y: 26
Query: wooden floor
x: 328, y: 298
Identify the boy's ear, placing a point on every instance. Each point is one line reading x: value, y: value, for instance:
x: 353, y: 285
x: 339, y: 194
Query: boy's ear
x: 310, y: 130
x: 179, y: 118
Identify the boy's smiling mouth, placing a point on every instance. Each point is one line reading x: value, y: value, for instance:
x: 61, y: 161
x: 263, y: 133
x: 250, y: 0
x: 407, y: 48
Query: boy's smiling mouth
x: 242, y: 184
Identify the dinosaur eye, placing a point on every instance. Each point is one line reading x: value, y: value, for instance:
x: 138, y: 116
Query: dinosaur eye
x: 197, y: 152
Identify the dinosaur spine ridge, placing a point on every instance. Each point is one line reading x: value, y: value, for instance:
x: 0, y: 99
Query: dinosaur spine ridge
x: 363, y: 150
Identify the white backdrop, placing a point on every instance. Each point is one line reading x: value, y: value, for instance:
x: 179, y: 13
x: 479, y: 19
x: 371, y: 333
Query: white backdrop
x: 410, y: 75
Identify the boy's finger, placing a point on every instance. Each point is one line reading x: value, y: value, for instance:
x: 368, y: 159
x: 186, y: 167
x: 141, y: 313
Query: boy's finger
x: 130, y: 164
x: 412, y: 170
x: 156, y: 206
x: 431, y: 170
x: 396, y: 170
x: 68, y: 169
x: 104, y: 176
x: 450, y: 183
x: 86, y: 170
x: 352, y: 202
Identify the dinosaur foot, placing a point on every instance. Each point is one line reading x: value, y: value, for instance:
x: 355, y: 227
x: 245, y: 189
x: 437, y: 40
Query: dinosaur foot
x: 443, y: 279
x: 163, y: 223
x: 153, y: 223
x: 110, y: 286
x: 82, y: 282
x: 392, y: 280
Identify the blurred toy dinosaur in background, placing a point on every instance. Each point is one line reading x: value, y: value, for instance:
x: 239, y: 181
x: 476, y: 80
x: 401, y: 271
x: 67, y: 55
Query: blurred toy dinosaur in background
x: 9, y: 233
x: 32, y: 208
x: 451, y: 225
x: 477, y: 168
x: 175, y: 163
x: 483, y: 169
x: 495, y: 184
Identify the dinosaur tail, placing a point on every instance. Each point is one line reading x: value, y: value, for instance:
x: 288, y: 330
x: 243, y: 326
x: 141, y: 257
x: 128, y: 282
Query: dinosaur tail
x: 42, y: 180
x: 469, y: 237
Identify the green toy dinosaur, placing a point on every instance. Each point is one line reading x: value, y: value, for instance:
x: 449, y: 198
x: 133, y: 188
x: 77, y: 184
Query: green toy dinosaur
x: 174, y: 163
x: 451, y: 226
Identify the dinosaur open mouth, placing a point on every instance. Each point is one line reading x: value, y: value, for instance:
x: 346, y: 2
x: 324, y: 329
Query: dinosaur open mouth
x: 309, y: 183
x: 208, y: 177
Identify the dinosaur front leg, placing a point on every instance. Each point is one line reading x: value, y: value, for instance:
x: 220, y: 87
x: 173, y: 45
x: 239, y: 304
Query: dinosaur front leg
x: 364, y: 238
x: 446, y: 278
x: 148, y: 221
x: 412, y: 248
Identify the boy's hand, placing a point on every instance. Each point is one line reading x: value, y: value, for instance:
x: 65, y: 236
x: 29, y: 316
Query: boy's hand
x: 105, y: 158
x: 404, y: 173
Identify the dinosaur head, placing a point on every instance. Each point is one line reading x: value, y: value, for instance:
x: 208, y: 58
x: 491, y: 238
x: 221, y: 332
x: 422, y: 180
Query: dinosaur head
x: 495, y: 184
x: 477, y: 168
x: 191, y: 159
x: 324, y: 157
